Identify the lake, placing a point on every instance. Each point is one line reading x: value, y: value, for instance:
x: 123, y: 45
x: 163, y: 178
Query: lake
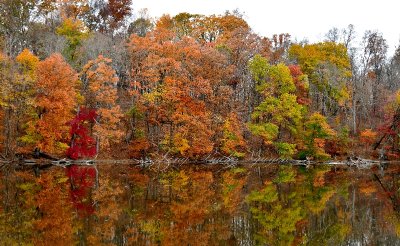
x: 201, y: 205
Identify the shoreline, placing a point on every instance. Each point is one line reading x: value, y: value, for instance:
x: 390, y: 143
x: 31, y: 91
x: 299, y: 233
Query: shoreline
x: 209, y: 161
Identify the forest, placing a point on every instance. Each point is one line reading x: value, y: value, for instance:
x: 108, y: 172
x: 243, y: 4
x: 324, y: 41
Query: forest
x: 82, y: 78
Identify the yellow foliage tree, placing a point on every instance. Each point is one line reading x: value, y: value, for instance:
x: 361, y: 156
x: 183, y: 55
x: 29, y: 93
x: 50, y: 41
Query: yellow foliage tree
x: 27, y: 64
x: 17, y: 92
x: 327, y: 66
x: 75, y: 32
x: 28, y: 61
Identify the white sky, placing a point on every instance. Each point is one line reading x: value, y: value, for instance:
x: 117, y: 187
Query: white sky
x: 309, y: 19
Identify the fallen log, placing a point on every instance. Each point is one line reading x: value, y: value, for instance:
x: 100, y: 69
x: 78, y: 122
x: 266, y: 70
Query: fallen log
x: 62, y: 162
x: 37, y: 154
x: 352, y: 161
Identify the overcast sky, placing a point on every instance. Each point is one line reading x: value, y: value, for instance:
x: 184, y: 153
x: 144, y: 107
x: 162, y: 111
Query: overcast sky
x: 309, y: 19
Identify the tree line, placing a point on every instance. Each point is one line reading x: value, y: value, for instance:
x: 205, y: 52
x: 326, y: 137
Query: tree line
x: 81, y: 78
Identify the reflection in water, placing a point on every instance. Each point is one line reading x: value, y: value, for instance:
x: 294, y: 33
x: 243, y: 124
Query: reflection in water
x: 82, y: 180
x: 265, y: 205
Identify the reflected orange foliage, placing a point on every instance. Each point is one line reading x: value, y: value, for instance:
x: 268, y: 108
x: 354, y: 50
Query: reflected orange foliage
x: 319, y: 178
x: 54, y: 223
x: 190, y: 209
x: 232, y: 189
x: 109, y: 208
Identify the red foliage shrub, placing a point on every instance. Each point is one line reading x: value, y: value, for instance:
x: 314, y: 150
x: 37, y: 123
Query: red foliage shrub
x: 82, y: 144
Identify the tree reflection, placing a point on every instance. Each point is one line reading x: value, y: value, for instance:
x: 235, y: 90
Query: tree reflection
x: 53, y: 223
x: 278, y: 208
x: 17, y: 211
x: 201, y: 206
x: 82, y: 180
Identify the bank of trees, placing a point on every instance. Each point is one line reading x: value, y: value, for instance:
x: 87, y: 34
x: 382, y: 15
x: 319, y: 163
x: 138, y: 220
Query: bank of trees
x: 187, y: 85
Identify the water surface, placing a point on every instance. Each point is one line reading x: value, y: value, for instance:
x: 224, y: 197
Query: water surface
x: 201, y: 205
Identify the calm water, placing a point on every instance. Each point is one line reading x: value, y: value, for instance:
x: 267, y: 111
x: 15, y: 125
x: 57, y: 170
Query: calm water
x: 254, y: 205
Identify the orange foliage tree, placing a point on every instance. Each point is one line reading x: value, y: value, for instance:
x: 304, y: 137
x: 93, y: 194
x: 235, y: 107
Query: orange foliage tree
x: 186, y: 72
x: 368, y: 136
x: 301, y: 82
x: 55, y: 101
x: 176, y: 80
x: 233, y: 142
x: 100, y: 81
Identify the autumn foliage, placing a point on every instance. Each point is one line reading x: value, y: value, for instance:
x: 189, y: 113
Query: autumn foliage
x: 368, y: 136
x: 53, y: 225
x: 233, y: 142
x: 187, y: 85
x: 100, y: 92
x: 82, y: 145
x: 55, y: 103
x: 83, y: 180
